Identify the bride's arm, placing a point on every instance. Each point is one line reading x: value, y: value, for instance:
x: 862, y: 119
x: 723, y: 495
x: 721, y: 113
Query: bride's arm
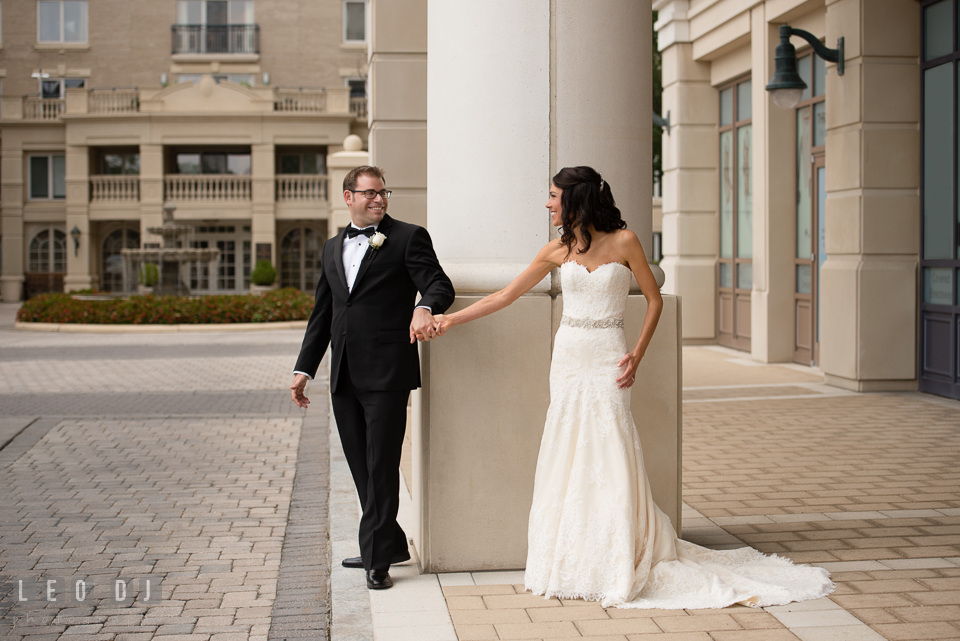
x: 549, y: 257
x: 637, y: 261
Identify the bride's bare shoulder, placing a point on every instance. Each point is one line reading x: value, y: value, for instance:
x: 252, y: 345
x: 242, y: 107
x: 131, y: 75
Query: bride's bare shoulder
x: 553, y: 252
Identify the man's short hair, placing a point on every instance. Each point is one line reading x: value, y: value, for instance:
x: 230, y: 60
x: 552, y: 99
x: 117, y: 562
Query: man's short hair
x: 350, y: 181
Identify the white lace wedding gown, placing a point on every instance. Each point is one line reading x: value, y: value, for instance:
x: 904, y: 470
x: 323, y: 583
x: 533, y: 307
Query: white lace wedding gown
x: 595, y: 532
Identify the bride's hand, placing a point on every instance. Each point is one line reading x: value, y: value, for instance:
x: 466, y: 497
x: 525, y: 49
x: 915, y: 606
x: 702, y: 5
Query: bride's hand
x: 629, y: 363
x: 443, y: 323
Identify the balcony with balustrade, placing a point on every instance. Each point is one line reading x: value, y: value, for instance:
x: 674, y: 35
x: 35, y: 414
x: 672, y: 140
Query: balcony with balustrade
x: 215, y: 40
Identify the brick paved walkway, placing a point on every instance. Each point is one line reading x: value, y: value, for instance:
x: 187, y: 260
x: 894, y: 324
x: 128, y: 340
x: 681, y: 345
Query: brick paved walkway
x: 866, y: 485
x: 178, y: 457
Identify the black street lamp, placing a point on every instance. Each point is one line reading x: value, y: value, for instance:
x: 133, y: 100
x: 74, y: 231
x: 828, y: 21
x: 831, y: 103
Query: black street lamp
x: 75, y: 235
x: 786, y: 87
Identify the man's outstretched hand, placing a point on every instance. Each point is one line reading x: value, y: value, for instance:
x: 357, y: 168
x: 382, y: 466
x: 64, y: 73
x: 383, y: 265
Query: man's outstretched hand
x: 296, y: 390
x: 422, y: 327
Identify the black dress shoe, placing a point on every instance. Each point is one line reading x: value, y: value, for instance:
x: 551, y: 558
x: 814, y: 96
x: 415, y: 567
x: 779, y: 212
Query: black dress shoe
x: 379, y: 580
x: 357, y: 562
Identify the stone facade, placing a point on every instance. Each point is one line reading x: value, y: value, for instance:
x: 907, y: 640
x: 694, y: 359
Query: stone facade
x: 266, y: 97
x: 843, y: 294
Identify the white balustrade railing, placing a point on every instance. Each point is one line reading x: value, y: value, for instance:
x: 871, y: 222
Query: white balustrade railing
x: 300, y: 100
x: 358, y: 107
x: 43, y: 108
x: 214, y: 187
x: 301, y: 188
x: 114, y: 101
x: 114, y: 189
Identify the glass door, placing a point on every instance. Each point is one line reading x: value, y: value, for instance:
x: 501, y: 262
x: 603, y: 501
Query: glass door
x: 939, y: 239
x: 736, y: 216
x: 810, y: 211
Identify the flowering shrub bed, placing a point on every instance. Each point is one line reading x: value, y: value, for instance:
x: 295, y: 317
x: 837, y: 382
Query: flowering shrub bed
x: 279, y: 305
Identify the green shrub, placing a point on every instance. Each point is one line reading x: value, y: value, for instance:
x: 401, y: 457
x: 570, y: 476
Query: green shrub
x: 149, y: 275
x: 278, y: 305
x: 264, y: 274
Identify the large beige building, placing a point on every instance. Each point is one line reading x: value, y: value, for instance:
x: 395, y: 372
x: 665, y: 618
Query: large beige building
x: 228, y: 109
x: 824, y: 233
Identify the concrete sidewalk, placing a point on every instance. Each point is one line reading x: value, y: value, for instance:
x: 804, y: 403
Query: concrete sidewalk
x: 865, y: 485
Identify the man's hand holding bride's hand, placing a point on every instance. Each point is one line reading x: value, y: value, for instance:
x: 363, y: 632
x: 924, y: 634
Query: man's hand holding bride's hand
x: 629, y: 363
x: 422, y: 327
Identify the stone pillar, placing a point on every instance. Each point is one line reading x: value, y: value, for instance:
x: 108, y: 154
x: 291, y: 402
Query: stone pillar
x: 510, y: 102
x: 151, y: 191
x: 263, y: 226
x: 690, y: 218
x: 80, y: 257
x: 398, y: 103
x: 339, y: 165
x: 11, y: 205
x: 772, y: 318
x: 868, y: 285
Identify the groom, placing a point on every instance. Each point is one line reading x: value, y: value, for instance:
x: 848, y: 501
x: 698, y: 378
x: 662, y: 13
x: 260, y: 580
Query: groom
x: 370, y: 275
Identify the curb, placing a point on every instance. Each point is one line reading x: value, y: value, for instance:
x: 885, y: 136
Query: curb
x: 90, y: 328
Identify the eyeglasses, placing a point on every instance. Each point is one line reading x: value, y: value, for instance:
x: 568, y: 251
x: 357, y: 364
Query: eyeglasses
x: 370, y: 194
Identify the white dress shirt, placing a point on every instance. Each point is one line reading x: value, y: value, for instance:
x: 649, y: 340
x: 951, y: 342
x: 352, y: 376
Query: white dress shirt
x: 354, y: 249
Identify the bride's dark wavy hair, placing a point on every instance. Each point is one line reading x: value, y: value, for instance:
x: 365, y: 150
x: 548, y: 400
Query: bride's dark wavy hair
x: 585, y: 203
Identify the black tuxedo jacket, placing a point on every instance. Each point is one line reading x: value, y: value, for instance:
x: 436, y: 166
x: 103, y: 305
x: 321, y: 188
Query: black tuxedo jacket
x: 371, y: 324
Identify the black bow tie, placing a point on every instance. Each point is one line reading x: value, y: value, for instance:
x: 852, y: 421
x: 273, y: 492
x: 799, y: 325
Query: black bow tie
x: 353, y: 232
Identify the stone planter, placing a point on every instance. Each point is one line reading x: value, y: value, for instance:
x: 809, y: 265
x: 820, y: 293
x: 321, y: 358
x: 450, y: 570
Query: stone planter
x: 144, y: 290
x: 260, y: 290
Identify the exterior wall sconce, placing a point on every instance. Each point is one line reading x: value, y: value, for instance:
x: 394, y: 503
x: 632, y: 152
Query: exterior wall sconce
x: 75, y: 235
x: 663, y: 123
x: 786, y: 87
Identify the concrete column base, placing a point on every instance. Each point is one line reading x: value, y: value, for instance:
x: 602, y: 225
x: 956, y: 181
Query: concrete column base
x: 694, y: 279
x: 870, y: 386
x: 479, y: 419
x: 11, y: 288
x: 77, y: 283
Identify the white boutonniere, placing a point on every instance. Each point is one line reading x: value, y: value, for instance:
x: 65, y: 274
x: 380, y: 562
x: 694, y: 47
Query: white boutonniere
x: 377, y: 240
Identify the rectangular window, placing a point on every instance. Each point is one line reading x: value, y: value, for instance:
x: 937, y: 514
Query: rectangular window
x: 217, y: 162
x: 62, y: 21
x: 56, y: 87
x: 310, y: 162
x: 354, y: 21
x: 48, y: 177
x: 215, y: 12
x: 116, y: 164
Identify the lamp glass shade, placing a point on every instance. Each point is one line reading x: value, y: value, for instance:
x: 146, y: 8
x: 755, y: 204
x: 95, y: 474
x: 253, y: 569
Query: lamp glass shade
x: 786, y: 98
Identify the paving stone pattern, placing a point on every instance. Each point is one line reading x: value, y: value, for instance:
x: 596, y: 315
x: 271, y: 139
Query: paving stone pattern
x: 199, y: 403
x: 201, y: 503
x: 149, y: 375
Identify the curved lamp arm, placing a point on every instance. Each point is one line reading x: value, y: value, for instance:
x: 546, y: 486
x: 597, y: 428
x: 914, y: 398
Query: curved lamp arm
x: 830, y: 55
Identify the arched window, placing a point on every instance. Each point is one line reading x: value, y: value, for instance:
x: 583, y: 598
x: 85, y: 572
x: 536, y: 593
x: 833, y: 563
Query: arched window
x: 46, y: 261
x: 48, y: 252
x: 300, y: 258
x: 111, y: 279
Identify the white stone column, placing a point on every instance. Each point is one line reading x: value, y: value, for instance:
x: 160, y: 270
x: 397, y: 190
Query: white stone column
x: 263, y: 226
x: 774, y: 162
x: 151, y: 191
x: 11, y: 202
x: 690, y: 152
x: 868, y: 289
x: 510, y: 101
x: 398, y: 103
x: 339, y: 165
x: 79, y: 258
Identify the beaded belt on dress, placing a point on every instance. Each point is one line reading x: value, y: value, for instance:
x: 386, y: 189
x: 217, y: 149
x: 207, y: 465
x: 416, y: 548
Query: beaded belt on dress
x: 604, y: 323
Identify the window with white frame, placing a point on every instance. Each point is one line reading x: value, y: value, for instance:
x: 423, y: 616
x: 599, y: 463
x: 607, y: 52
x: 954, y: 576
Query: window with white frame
x: 354, y: 21
x: 57, y: 87
x: 62, y: 21
x: 215, y: 12
x: 48, y: 177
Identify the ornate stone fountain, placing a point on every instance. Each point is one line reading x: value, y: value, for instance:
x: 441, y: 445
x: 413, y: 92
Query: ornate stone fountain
x: 169, y: 258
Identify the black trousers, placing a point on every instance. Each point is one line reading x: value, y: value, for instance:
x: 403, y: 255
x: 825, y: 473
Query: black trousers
x: 371, y: 426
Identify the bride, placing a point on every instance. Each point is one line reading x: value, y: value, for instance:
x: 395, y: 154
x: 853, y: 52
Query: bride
x: 594, y: 531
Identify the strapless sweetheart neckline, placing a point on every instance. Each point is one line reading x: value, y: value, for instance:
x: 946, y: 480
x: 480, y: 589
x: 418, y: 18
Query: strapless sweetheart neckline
x: 595, y: 269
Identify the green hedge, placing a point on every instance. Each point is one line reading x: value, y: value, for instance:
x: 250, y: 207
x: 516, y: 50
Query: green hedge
x: 279, y: 305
